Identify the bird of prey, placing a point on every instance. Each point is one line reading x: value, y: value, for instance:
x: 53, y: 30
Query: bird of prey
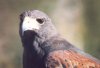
x: 45, y: 48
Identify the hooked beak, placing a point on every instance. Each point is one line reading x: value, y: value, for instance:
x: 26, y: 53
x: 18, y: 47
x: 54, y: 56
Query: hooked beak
x: 29, y: 24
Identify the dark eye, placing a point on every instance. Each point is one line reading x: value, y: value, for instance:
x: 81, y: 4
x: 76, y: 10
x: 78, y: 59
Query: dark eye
x: 41, y: 21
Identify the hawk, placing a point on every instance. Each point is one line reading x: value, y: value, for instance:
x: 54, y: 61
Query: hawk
x: 45, y: 48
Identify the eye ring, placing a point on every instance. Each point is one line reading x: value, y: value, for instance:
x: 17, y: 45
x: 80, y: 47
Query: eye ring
x: 39, y: 20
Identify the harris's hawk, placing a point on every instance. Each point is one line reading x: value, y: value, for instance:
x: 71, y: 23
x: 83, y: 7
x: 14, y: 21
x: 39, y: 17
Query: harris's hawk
x: 45, y: 48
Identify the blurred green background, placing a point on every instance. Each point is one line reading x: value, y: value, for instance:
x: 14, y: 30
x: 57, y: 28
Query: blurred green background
x: 77, y: 20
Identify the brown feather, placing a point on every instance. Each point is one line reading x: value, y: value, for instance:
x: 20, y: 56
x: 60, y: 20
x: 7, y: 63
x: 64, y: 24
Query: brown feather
x: 69, y: 59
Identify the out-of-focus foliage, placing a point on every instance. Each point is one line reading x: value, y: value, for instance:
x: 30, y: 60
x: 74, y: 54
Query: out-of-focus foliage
x: 67, y: 15
x: 92, y: 36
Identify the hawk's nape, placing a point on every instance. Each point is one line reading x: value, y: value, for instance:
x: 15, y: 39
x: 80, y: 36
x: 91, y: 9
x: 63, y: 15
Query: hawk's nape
x: 45, y: 48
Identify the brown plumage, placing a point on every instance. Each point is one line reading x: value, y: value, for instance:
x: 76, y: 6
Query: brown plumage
x: 69, y: 59
x: 45, y: 48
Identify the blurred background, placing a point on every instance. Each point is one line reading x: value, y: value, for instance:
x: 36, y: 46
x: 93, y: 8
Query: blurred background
x: 77, y: 20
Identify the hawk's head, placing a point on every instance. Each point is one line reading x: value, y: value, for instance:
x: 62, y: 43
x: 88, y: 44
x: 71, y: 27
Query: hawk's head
x: 36, y: 22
